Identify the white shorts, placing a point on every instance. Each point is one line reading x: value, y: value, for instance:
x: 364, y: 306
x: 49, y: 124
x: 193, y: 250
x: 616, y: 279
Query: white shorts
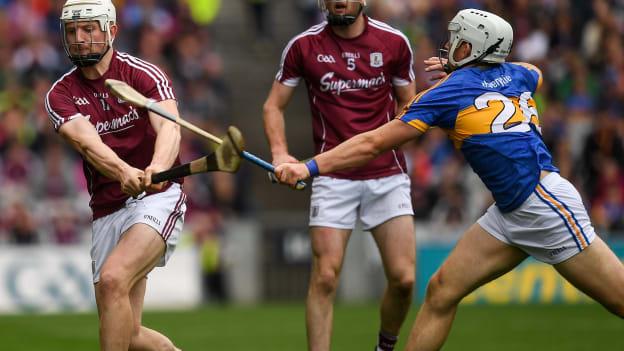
x: 552, y: 225
x: 336, y: 203
x: 162, y: 211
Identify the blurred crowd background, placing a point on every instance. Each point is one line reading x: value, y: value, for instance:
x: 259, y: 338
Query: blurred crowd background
x: 577, y: 44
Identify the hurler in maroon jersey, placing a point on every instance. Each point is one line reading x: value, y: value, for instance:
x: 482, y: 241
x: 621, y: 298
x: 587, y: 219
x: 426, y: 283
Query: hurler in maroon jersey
x: 123, y: 128
x: 357, y: 72
x: 136, y: 224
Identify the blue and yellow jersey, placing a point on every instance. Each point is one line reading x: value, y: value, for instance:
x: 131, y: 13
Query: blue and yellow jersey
x: 490, y: 115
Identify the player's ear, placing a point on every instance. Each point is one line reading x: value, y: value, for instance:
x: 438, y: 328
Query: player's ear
x: 465, y: 48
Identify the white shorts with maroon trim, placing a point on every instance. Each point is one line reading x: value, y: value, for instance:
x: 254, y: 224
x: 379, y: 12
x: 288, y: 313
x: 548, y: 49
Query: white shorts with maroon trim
x: 337, y: 203
x: 162, y: 211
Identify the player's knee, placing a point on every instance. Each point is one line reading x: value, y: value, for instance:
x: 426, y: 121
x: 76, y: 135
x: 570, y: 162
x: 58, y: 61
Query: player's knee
x: 402, y: 284
x: 440, y: 294
x: 112, y: 285
x: 325, y: 280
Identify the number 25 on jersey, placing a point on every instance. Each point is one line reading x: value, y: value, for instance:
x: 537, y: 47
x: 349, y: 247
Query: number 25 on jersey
x: 515, y: 115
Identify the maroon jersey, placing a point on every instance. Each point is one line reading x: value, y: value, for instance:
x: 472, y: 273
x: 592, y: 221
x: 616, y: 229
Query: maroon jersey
x: 350, y: 86
x: 125, y: 129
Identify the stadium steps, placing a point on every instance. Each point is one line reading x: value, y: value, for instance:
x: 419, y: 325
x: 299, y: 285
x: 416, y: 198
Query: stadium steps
x: 250, y: 66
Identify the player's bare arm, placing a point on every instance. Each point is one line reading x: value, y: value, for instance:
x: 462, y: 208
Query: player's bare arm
x: 274, y: 126
x: 167, y: 144
x: 83, y: 137
x: 354, y: 152
x: 364, y: 147
x: 404, y: 94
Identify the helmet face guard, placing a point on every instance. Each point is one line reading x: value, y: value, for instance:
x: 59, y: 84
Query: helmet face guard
x: 341, y: 19
x: 444, y: 50
x: 74, y: 47
x: 90, y: 16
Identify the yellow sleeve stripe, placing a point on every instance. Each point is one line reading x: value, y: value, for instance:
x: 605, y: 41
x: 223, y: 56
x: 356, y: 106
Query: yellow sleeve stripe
x: 532, y: 68
x: 406, y: 108
x: 420, y: 95
x: 418, y: 124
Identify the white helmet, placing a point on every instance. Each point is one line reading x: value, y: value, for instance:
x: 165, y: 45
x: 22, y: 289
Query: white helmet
x: 102, y: 11
x: 491, y: 37
x: 341, y: 20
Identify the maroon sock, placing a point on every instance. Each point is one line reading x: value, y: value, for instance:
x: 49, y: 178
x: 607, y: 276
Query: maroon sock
x: 386, y: 341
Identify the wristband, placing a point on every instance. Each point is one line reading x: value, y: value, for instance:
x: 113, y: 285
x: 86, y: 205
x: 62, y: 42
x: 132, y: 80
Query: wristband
x: 312, y: 168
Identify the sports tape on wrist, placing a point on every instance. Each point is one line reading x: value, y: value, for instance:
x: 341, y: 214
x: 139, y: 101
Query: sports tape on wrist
x: 312, y: 168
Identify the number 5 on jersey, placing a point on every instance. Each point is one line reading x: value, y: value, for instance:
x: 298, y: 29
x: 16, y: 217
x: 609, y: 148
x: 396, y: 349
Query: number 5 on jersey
x: 351, y: 64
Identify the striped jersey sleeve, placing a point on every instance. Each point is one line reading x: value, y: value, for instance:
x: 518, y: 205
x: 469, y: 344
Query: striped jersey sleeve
x: 291, y: 64
x: 59, y: 103
x: 148, y: 79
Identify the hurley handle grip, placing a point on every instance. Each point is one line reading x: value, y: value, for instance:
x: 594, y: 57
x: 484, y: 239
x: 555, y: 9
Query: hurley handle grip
x: 173, y: 173
x: 269, y: 167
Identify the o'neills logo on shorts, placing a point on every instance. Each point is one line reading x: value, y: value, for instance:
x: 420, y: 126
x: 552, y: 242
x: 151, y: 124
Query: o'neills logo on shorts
x: 152, y: 218
x: 337, y: 86
x: 556, y: 251
x: 118, y: 123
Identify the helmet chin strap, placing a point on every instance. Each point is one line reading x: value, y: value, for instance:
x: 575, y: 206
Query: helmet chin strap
x: 343, y: 20
x: 88, y: 60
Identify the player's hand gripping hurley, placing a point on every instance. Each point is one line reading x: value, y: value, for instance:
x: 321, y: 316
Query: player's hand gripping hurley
x: 221, y: 160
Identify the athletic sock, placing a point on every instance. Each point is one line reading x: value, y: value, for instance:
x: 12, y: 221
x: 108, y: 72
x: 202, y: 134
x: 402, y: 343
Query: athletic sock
x: 386, y: 342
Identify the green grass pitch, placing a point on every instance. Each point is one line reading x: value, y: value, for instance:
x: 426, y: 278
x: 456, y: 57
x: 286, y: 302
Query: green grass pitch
x: 281, y: 327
